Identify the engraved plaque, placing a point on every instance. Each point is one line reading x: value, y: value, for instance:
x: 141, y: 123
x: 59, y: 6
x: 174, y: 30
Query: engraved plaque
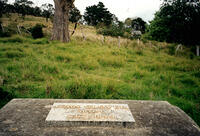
x: 90, y: 112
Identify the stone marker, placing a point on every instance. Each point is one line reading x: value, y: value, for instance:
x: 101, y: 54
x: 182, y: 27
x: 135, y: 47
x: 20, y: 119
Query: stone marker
x: 90, y: 112
x: 38, y: 117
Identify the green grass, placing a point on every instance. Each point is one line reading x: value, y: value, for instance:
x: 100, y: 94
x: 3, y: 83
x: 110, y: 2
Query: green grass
x: 87, y: 70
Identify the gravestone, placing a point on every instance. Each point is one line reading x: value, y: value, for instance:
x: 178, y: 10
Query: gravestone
x: 50, y: 117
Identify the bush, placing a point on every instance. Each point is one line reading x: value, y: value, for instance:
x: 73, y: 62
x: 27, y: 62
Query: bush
x: 37, y: 31
x: 115, y: 30
x: 111, y: 31
x: 5, y: 96
x: 4, y: 34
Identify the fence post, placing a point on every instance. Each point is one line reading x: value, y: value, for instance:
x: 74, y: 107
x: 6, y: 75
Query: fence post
x: 198, y: 50
x: 119, y: 44
x: 82, y: 33
x: 138, y: 41
x: 103, y: 39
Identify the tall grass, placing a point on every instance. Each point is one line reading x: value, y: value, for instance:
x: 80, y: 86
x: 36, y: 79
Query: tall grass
x: 91, y: 69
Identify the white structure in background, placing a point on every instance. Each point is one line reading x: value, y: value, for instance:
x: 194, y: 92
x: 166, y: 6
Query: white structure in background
x: 136, y: 33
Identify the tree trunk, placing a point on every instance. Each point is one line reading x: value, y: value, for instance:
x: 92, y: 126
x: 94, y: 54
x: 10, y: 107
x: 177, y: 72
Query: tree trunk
x: 61, y: 20
x: 198, y: 50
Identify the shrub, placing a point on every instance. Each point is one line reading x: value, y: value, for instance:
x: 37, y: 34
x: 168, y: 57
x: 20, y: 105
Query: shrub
x: 5, y: 96
x: 172, y: 49
x: 111, y: 31
x: 2, y: 33
x: 37, y: 31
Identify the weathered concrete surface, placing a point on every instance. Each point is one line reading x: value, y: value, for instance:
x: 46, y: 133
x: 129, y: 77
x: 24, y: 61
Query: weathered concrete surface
x: 26, y: 117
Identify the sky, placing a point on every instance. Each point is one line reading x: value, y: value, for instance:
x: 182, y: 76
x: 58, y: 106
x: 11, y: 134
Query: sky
x: 121, y: 8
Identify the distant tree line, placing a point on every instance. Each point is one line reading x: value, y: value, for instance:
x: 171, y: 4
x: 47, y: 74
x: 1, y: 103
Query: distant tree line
x: 25, y: 7
x: 96, y: 15
x: 108, y: 24
x: 22, y: 7
x: 177, y: 21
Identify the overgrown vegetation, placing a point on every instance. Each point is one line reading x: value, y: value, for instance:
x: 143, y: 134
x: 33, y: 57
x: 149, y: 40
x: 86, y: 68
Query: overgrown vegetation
x: 96, y: 69
x: 97, y: 14
x: 87, y: 70
x: 177, y: 22
x: 37, y: 31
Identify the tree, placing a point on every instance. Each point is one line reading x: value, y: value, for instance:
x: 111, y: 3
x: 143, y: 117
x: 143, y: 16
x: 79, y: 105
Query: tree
x: 177, y: 22
x: 37, y: 11
x: 74, y: 15
x: 61, y: 20
x: 48, y: 10
x: 138, y: 24
x: 128, y: 22
x: 98, y: 14
x: 115, y: 29
x: 23, y: 6
x: 3, y: 4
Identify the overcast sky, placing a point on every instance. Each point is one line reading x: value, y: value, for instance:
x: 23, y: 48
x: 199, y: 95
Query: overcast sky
x: 121, y: 8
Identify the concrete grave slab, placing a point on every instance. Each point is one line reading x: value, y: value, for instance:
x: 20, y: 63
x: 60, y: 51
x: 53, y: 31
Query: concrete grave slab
x: 29, y: 117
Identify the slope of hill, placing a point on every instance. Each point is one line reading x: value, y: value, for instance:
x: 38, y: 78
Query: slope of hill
x: 97, y: 69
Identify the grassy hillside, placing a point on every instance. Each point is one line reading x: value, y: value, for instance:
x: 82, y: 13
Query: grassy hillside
x: 92, y: 69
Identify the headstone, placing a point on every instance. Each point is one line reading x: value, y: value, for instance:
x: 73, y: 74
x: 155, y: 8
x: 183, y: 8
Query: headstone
x: 50, y: 117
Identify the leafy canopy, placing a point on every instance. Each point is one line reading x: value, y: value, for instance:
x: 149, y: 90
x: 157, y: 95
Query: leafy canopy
x: 74, y: 15
x: 98, y: 14
x: 139, y: 24
x: 177, y: 21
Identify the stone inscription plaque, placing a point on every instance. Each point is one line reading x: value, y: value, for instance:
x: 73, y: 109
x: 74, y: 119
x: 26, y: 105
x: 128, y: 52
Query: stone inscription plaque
x: 90, y: 112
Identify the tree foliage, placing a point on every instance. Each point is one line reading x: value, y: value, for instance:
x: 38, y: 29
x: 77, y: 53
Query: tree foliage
x: 115, y: 29
x: 98, y: 14
x: 128, y: 22
x: 37, y: 31
x: 138, y: 24
x: 48, y: 10
x: 177, y: 21
x: 2, y: 6
x: 74, y: 15
x: 23, y: 7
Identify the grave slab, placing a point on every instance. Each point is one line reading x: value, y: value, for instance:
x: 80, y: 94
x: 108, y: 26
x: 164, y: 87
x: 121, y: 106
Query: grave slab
x: 50, y: 117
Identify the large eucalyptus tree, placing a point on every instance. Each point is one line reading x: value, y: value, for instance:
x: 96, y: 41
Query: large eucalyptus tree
x: 61, y: 20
